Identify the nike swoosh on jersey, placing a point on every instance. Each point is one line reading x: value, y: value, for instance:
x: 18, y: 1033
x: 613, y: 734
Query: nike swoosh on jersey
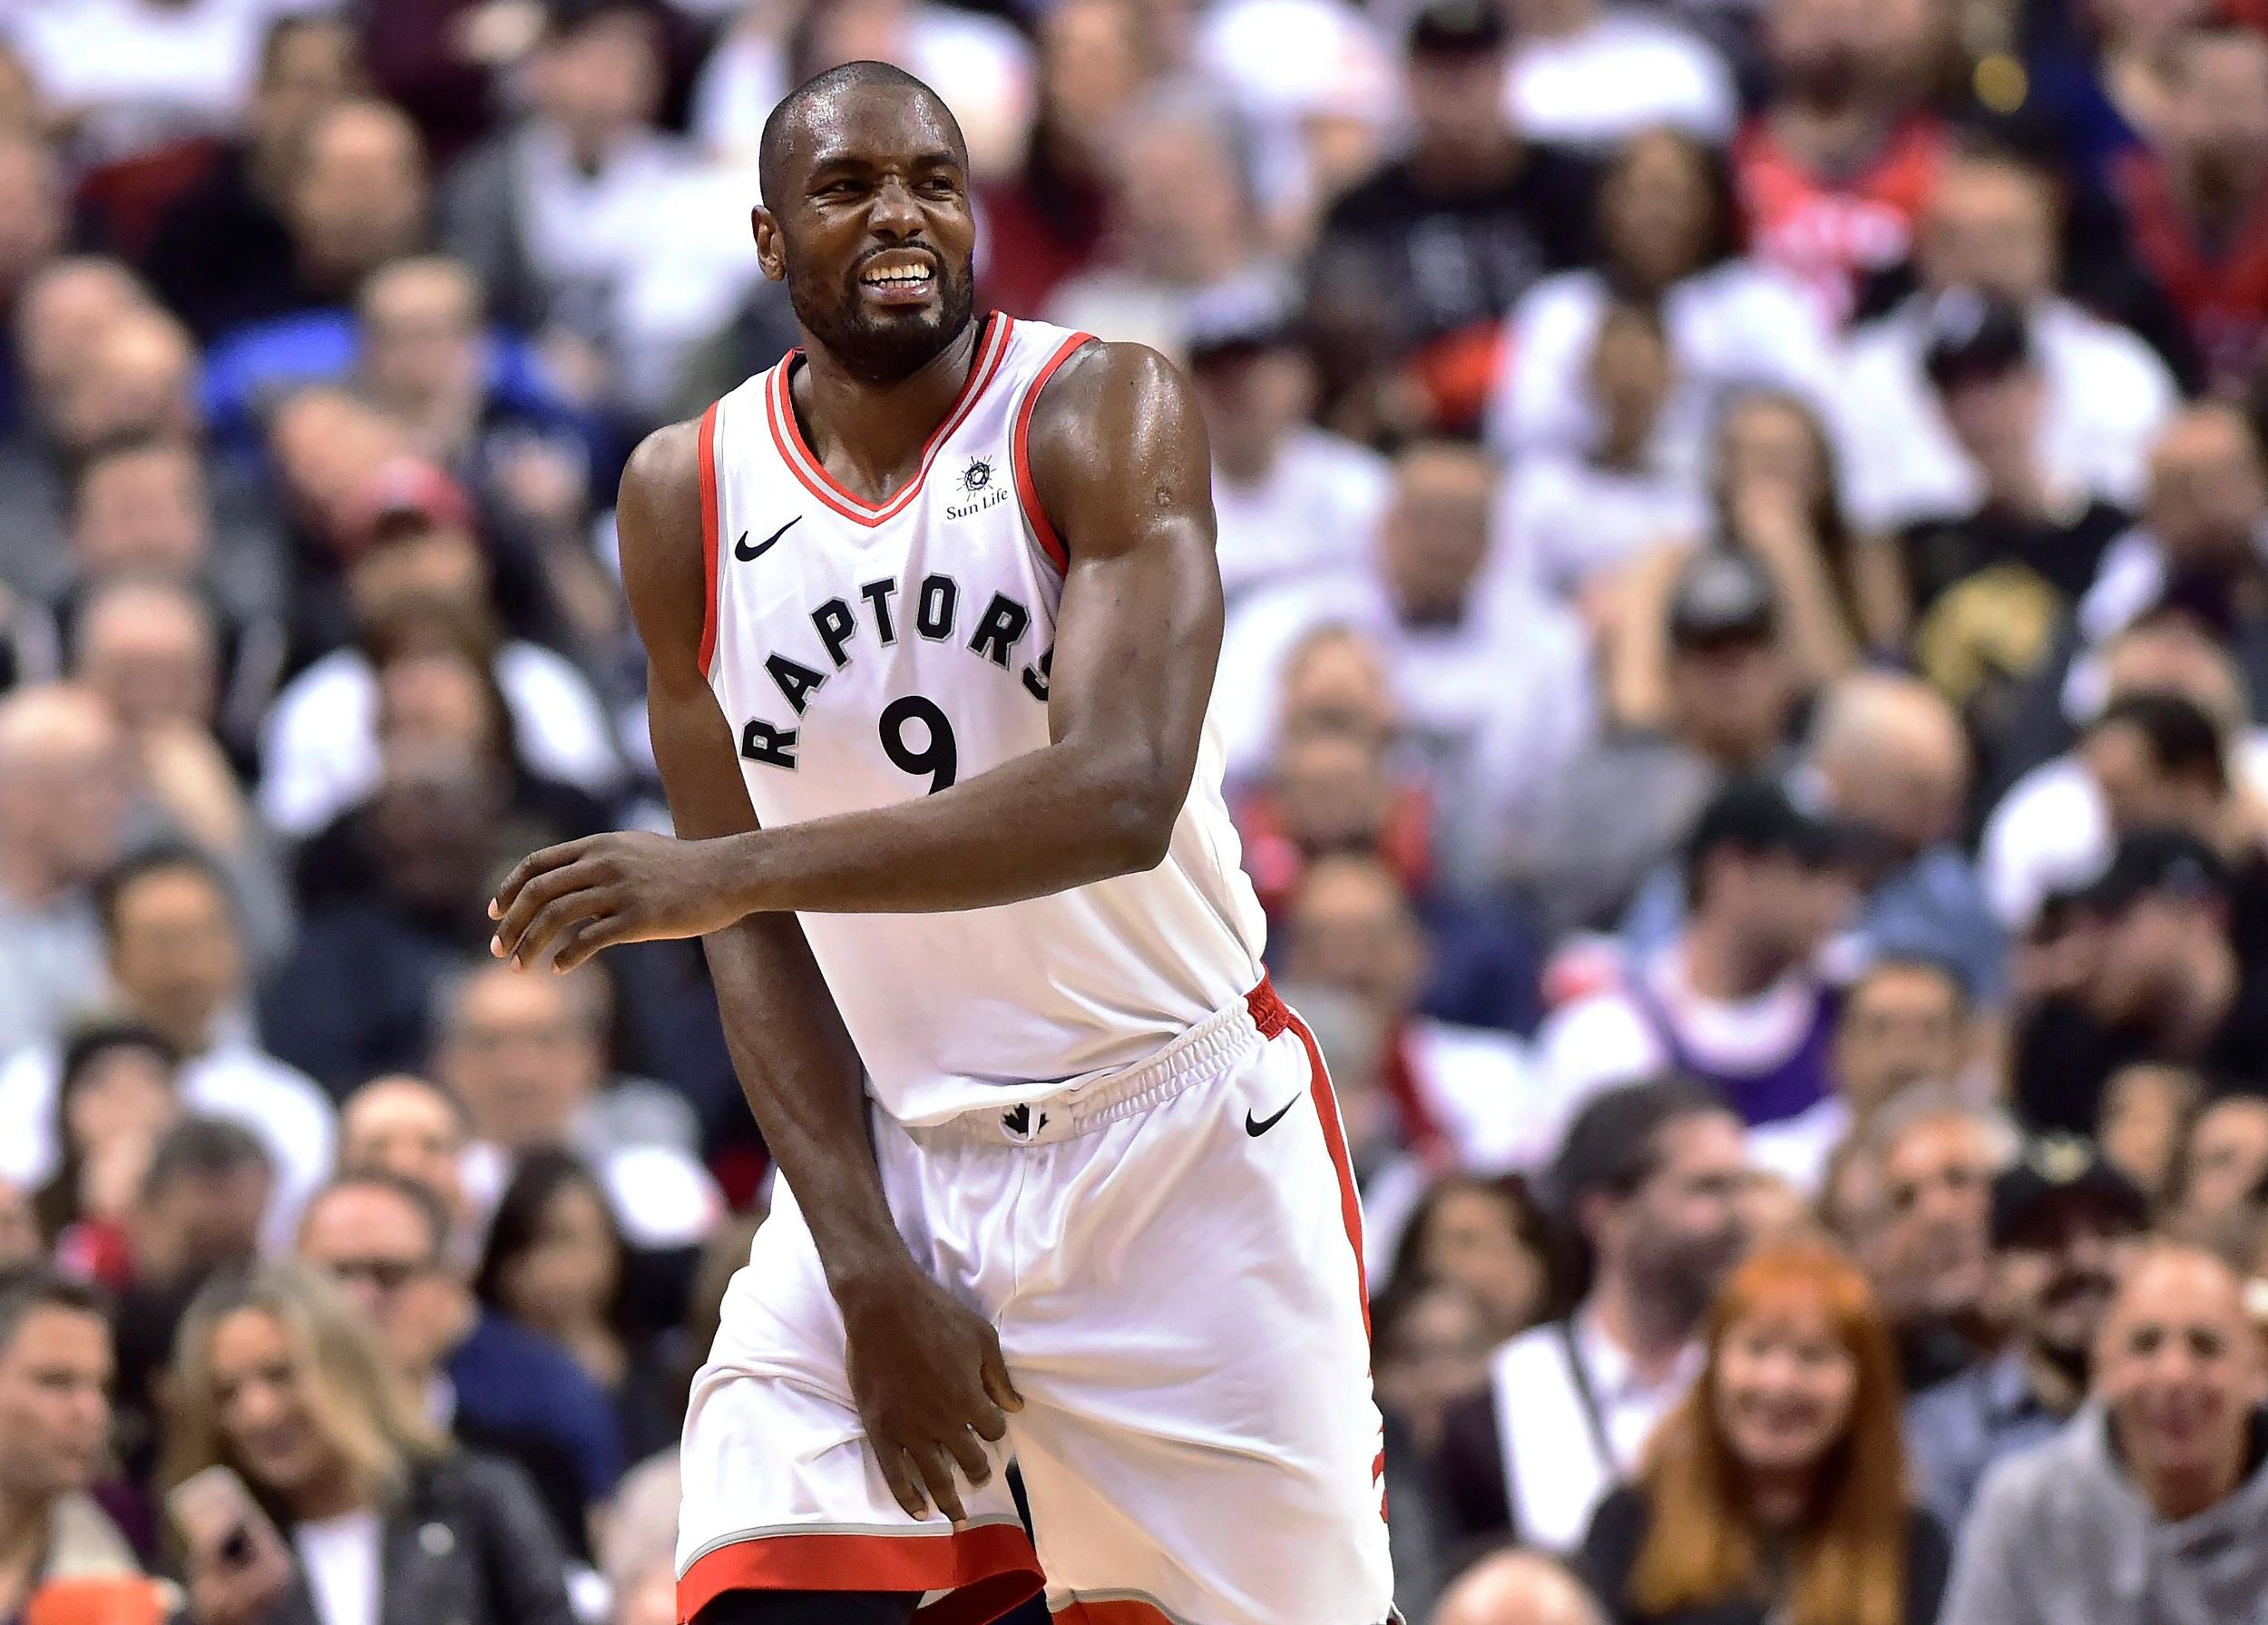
x: 1255, y: 1127
x: 744, y: 552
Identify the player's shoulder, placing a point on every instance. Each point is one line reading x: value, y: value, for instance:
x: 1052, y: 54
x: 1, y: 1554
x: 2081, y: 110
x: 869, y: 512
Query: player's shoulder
x: 1103, y: 373
x: 1105, y: 398
x: 666, y: 464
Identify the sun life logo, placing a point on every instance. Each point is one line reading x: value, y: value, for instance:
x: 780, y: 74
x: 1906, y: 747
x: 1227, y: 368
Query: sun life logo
x: 977, y: 489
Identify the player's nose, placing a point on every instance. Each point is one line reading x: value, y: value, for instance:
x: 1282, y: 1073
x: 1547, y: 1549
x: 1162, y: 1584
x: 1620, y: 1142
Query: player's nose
x: 895, y: 212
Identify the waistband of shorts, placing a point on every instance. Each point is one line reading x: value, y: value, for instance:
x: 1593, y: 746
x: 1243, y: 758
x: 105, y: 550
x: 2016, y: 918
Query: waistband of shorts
x: 1189, y: 1059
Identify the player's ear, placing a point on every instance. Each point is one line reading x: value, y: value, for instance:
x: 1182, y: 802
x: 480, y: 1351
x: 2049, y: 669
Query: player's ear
x: 771, y: 253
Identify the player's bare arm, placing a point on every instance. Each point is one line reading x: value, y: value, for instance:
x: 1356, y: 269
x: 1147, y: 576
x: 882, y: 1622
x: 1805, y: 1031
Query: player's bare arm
x: 926, y: 1372
x: 1120, y: 464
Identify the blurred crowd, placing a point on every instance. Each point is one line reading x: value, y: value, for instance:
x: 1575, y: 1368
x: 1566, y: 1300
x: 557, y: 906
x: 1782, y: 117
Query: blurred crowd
x: 1746, y: 693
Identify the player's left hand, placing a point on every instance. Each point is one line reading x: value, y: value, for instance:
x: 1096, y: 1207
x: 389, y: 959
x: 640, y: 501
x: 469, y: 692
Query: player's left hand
x: 628, y: 887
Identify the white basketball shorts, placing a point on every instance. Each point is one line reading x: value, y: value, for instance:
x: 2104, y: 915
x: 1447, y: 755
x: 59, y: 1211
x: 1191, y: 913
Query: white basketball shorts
x: 1172, y: 1257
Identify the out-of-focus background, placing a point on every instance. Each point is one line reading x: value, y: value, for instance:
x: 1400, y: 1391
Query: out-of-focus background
x: 1744, y: 529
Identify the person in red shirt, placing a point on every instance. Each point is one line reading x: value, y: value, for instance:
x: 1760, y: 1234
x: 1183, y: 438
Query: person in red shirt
x: 1834, y: 169
x: 2197, y: 199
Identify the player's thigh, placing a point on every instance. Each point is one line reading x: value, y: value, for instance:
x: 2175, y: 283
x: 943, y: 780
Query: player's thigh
x: 1201, y: 1438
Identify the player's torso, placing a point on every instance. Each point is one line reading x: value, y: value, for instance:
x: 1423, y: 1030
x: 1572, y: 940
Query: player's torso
x: 867, y: 654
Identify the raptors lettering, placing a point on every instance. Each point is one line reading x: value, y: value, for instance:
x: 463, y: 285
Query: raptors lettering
x: 838, y: 626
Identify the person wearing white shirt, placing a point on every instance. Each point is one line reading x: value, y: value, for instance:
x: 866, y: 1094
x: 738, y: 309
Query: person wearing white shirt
x: 1669, y: 228
x: 176, y: 957
x: 1650, y: 1177
x: 1290, y: 500
x: 1990, y: 226
x: 1494, y: 687
x: 1586, y: 73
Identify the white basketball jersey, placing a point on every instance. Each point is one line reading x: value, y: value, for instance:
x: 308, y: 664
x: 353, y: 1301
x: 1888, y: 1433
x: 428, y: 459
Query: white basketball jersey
x: 867, y: 654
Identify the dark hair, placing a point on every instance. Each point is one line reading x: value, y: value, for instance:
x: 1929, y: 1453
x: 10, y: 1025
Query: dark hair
x: 30, y: 1287
x: 2181, y: 736
x: 429, y: 1208
x: 1724, y: 240
x: 1392, y: 1306
x: 55, y: 1204
x: 110, y: 891
x: 210, y: 1147
x: 780, y: 123
x: 539, y: 1181
x: 1531, y: 1224
x: 1614, y: 1144
x: 1906, y: 962
x: 1838, y: 542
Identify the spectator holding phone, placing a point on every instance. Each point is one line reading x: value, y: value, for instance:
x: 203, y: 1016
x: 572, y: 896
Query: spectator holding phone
x: 281, y: 1386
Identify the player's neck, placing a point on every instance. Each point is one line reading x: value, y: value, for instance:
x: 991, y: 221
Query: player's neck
x: 869, y: 436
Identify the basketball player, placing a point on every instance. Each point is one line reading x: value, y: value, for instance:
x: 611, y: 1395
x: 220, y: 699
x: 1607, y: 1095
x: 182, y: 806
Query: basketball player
x: 933, y: 602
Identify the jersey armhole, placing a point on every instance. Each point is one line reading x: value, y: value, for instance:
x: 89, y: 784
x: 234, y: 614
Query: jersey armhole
x: 711, y: 526
x: 1027, y: 492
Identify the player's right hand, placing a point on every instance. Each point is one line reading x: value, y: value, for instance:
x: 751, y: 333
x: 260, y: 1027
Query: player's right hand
x: 931, y: 1387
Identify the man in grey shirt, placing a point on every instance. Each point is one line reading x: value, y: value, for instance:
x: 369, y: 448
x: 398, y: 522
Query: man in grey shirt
x: 2063, y: 1223
x: 2151, y: 1506
x: 63, y: 806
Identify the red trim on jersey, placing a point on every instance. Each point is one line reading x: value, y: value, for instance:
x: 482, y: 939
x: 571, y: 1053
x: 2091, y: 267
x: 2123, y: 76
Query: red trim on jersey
x: 710, y: 524
x: 989, y: 1568
x: 1026, y: 492
x: 1335, y: 1137
x: 1119, y: 1610
x: 992, y: 348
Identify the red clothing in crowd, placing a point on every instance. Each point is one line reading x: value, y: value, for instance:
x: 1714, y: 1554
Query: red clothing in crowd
x: 1831, y: 233
x: 2220, y: 292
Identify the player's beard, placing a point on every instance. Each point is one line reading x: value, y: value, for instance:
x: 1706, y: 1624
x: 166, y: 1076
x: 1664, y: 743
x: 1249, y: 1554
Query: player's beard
x: 883, y: 347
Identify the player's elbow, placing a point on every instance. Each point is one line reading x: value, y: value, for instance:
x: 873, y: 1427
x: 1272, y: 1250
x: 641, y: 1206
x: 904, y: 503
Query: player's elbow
x: 1137, y: 823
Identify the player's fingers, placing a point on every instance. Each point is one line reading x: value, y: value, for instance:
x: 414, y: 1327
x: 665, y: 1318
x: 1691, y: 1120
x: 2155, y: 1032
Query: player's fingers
x: 936, y: 1470
x: 898, y: 1472
x: 989, y: 1422
x: 527, y: 869
x: 969, y: 1451
x: 552, y: 921
x: 994, y: 1368
x: 582, y: 940
x: 511, y: 939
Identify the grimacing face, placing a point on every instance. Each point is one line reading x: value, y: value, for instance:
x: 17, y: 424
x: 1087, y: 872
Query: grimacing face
x: 872, y: 229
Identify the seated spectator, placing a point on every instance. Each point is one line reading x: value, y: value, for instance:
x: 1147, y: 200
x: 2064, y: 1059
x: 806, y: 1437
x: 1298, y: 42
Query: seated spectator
x: 2147, y: 1110
x: 1489, y: 1240
x: 1922, y: 1226
x: 324, y: 448
x: 1185, y: 227
x: 1460, y: 1095
x: 1989, y: 582
x: 56, y: 1370
x: 1588, y: 74
x: 176, y: 961
x: 527, y: 1054
x: 220, y: 255
x: 1493, y: 686
x: 482, y: 1377
x: 1517, y: 1588
x: 1572, y: 520
x: 280, y: 1381
x: 1415, y: 265
x: 2222, y: 1166
x: 1989, y: 224
x: 1334, y: 790
x: 1836, y: 164
x: 1736, y: 997
x: 404, y: 1126
x: 1891, y: 771
x: 1903, y: 1023
x: 1669, y: 232
x: 117, y: 1094
x: 2152, y: 1503
x: 1650, y: 1177
x: 637, y: 1555
x: 2154, y: 975
x: 1432, y: 1348
x: 416, y: 542
x: 556, y: 1264
x: 2064, y: 1222
x: 1731, y: 695
x: 2191, y: 196
x: 1776, y: 501
x: 1288, y: 498
x: 1788, y: 1442
x: 62, y: 805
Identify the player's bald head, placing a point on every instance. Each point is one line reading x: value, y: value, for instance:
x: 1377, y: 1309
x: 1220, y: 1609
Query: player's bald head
x: 819, y: 108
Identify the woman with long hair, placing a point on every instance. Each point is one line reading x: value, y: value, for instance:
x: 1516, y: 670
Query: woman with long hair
x: 1488, y: 1237
x: 555, y: 1264
x: 1776, y: 1494
x: 378, y: 1516
x: 117, y: 1094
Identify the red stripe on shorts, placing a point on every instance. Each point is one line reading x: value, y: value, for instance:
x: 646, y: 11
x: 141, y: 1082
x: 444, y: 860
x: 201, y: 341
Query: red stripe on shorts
x: 1335, y: 1137
x: 989, y: 1570
x: 1121, y: 1611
